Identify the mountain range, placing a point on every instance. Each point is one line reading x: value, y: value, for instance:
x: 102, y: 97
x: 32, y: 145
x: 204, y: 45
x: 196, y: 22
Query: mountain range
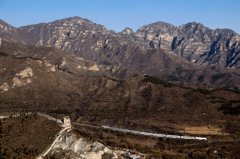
x: 162, y: 79
x: 190, y: 55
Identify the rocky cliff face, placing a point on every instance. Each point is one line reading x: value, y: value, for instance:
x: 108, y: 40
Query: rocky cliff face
x: 71, y: 146
x: 192, y: 41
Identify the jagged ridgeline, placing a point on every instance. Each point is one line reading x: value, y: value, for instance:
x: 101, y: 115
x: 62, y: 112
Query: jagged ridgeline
x: 191, y: 54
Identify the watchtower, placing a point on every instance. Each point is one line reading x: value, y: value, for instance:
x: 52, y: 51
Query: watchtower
x: 66, y: 120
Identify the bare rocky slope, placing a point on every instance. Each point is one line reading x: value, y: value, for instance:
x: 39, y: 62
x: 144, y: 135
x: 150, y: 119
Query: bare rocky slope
x: 71, y: 145
x: 139, y: 51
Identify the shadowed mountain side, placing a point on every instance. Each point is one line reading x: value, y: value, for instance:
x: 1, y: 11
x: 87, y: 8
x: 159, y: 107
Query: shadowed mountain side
x: 138, y: 104
x: 168, y: 66
x: 154, y: 62
x: 31, y: 85
x: 57, y: 59
x: 143, y: 101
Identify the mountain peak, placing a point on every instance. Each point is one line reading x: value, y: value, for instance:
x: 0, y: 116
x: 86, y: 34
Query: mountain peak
x: 162, y: 23
x: 127, y: 30
x: 192, y: 24
x: 159, y: 24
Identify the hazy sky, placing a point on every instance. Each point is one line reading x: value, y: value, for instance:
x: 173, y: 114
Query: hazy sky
x: 119, y: 14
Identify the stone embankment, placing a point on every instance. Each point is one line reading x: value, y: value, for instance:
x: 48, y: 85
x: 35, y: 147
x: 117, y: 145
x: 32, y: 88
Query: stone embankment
x: 40, y: 114
x: 16, y: 115
x: 50, y: 117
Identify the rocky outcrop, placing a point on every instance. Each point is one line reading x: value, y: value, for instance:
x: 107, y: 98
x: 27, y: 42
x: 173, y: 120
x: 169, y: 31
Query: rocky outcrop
x: 23, y: 77
x: 70, y: 145
x: 4, y: 87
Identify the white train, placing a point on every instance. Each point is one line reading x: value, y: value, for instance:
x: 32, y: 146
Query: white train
x: 154, y: 134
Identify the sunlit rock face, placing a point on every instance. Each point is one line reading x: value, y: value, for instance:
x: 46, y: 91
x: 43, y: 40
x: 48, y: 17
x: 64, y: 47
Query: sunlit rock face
x: 4, y: 87
x: 71, y: 146
x: 192, y: 41
x: 71, y: 34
